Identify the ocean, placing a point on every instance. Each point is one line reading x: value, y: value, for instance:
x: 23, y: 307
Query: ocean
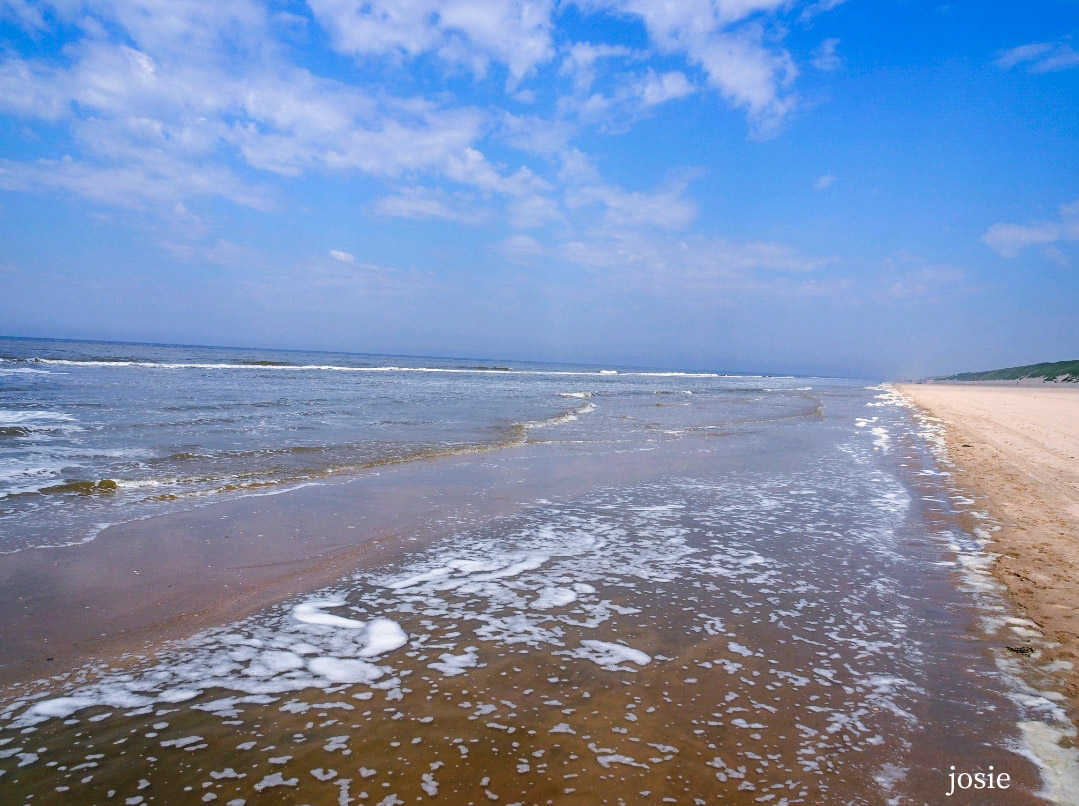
x: 694, y: 588
x: 93, y: 434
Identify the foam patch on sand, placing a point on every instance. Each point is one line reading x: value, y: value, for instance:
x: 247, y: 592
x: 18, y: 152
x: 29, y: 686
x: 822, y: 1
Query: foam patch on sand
x: 611, y: 656
x: 302, y: 647
x: 312, y: 613
x: 1055, y: 754
x: 554, y: 596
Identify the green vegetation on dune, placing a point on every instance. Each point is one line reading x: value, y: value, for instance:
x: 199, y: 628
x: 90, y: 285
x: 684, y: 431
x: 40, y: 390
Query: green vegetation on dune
x: 1066, y: 371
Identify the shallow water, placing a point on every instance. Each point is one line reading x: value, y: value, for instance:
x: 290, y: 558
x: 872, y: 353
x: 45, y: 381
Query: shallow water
x: 782, y: 606
x: 93, y: 433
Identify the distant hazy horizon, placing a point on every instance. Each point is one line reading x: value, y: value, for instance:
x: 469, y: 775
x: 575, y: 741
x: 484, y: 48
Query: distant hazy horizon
x: 500, y: 358
x: 783, y: 186
x: 431, y: 356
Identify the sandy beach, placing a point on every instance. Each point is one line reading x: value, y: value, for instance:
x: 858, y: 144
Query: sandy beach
x: 141, y: 584
x: 1017, y: 448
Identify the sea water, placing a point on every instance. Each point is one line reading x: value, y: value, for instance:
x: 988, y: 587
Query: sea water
x: 93, y: 434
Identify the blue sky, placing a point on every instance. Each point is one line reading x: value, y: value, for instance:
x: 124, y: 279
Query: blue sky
x: 886, y: 188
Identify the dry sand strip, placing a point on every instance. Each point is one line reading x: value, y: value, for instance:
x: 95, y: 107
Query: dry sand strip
x: 1018, y: 450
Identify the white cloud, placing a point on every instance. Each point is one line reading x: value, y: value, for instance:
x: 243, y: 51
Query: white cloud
x: 420, y: 203
x: 22, y: 12
x: 536, y: 135
x: 734, y: 56
x: 534, y: 211
x: 168, y: 115
x: 521, y: 248
x: 823, y: 182
x: 1011, y: 239
x: 657, y: 88
x: 469, y: 33
x: 749, y: 75
x: 826, y: 57
x: 633, y: 96
x: 343, y: 257
x: 27, y: 91
x: 220, y: 253
x: 666, y: 208
x: 172, y: 102
x: 581, y: 58
x: 1058, y: 256
x: 669, y: 23
x: 700, y: 270
x: 1040, y: 57
x: 820, y: 7
x: 909, y: 276
x: 176, y: 27
x: 667, y: 257
x: 162, y: 182
x: 469, y: 166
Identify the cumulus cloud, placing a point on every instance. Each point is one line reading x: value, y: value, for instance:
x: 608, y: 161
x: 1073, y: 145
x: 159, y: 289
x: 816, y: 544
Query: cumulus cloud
x: 724, y: 39
x: 469, y: 33
x: 823, y: 182
x: 170, y: 105
x: 657, y: 88
x: 1011, y: 239
x: 171, y: 114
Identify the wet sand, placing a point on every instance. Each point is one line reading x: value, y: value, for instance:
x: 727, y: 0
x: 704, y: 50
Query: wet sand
x: 139, y: 585
x: 1017, y: 450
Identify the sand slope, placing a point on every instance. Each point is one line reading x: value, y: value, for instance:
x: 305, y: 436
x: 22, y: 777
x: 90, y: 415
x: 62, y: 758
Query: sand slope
x: 1019, y: 450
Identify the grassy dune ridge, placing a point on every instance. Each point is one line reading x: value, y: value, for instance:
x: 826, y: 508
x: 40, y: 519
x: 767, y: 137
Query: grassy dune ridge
x: 1065, y: 371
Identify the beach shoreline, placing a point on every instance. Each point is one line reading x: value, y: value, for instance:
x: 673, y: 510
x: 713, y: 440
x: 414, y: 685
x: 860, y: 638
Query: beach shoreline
x: 652, y: 599
x: 1016, y: 452
x: 141, y: 586
x: 138, y: 586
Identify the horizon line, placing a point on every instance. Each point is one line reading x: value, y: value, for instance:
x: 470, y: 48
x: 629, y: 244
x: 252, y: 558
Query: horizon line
x: 728, y: 373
